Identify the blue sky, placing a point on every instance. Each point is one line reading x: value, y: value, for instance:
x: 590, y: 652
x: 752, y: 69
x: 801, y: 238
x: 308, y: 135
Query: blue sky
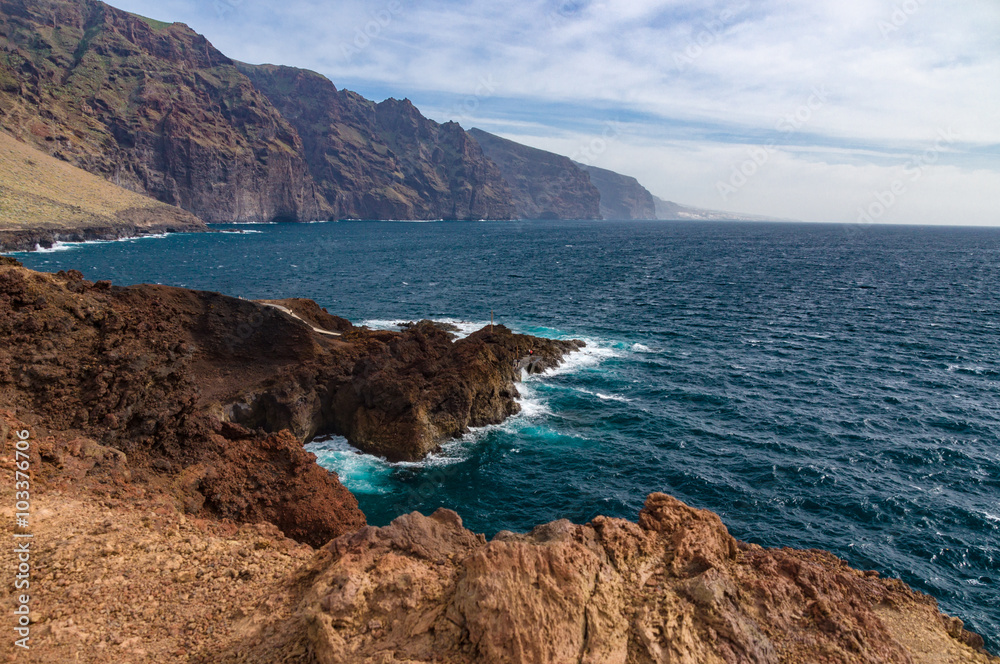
x: 883, y: 111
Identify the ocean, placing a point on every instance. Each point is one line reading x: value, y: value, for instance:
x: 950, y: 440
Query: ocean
x: 827, y: 386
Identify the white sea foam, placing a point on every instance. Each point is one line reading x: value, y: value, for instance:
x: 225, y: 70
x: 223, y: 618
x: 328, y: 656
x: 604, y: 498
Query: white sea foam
x: 588, y: 357
x: 605, y: 397
x: 58, y: 245
x: 532, y: 405
x: 368, y: 474
x: 642, y: 348
x: 465, y: 328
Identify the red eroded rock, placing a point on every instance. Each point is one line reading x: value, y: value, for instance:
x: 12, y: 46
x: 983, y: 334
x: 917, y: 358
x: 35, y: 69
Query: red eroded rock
x: 673, y: 588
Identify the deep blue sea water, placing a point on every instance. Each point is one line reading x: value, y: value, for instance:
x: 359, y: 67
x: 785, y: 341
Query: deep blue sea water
x: 817, y: 386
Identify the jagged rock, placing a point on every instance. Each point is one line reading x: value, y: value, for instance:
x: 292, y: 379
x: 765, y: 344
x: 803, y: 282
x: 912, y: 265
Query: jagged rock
x: 676, y: 587
x: 221, y: 393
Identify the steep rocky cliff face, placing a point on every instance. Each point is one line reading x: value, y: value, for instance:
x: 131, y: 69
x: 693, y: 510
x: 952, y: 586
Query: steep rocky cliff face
x: 544, y: 185
x: 386, y: 160
x: 155, y: 108
x: 622, y: 197
x: 152, y: 107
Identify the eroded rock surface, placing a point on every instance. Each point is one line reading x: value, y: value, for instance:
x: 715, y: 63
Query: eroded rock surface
x: 676, y: 587
x: 220, y: 393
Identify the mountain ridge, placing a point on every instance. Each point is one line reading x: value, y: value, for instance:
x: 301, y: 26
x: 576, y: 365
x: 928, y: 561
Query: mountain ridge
x: 155, y: 108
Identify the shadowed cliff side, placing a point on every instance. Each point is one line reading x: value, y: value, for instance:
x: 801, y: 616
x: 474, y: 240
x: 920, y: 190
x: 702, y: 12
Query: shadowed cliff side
x: 622, y: 197
x: 676, y: 587
x: 386, y: 160
x: 544, y: 185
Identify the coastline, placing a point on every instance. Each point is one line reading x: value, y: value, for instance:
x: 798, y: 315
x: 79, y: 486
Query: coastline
x: 220, y: 481
x: 28, y: 240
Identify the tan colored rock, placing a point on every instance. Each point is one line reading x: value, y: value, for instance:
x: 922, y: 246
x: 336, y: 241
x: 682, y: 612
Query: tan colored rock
x: 676, y: 587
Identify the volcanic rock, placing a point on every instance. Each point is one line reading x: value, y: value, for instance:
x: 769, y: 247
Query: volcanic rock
x: 221, y: 393
x: 676, y: 587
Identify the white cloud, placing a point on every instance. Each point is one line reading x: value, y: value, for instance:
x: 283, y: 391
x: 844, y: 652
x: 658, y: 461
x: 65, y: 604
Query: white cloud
x: 895, y: 72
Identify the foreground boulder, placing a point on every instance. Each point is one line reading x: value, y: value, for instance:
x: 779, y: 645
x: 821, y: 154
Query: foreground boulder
x: 676, y: 587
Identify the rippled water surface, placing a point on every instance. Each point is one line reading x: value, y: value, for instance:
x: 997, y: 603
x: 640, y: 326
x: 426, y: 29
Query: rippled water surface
x: 817, y: 386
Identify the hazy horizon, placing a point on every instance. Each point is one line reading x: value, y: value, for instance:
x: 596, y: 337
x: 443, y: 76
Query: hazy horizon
x: 868, y: 111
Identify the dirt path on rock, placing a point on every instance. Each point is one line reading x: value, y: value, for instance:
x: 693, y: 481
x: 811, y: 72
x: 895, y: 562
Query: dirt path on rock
x: 294, y: 315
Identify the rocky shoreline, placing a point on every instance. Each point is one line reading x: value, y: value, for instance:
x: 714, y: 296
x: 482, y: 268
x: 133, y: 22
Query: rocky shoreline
x: 168, y: 468
x: 31, y: 239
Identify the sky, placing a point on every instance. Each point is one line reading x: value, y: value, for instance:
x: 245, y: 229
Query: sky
x: 862, y: 111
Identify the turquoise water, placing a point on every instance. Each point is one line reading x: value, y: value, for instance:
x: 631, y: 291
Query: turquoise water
x: 817, y: 386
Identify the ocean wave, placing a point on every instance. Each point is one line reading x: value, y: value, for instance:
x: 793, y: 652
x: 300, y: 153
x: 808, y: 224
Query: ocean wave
x: 59, y: 245
x: 605, y: 397
x: 366, y: 473
x: 531, y: 403
x: 588, y: 357
x: 465, y: 328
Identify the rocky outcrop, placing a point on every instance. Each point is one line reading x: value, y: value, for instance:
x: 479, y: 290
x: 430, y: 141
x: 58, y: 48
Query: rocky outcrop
x: 385, y: 160
x: 418, y: 388
x: 219, y: 393
x: 134, y: 223
x: 676, y: 587
x: 622, y: 197
x: 544, y: 185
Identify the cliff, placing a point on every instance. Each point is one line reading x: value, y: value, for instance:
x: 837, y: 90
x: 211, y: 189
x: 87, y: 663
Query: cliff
x: 44, y: 200
x: 220, y: 393
x: 152, y: 107
x: 622, y: 197
x: 155, y: 108
x: 544, y: 185
x: 386, y: 160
